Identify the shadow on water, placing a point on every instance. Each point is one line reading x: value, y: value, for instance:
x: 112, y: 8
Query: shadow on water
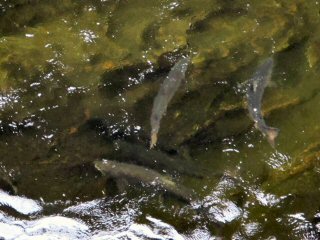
x: 78, y: 81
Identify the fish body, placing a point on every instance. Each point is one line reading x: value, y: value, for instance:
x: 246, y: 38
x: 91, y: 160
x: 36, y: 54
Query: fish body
x: 257, y: 85
x: 138, y: 154
x: 166, y: 92
x: 137, y: 174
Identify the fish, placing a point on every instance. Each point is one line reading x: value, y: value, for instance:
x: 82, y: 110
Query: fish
x: 138, y: 174
x: 256, y: 87
x: 166, y: 92
x: 138, y: 154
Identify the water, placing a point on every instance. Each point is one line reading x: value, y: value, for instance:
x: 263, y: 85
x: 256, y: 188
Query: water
x: 78, y: 79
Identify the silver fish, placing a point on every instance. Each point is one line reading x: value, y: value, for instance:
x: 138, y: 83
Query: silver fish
x: 139, y: 174
x: 255, y: 92
x: 166, y: 92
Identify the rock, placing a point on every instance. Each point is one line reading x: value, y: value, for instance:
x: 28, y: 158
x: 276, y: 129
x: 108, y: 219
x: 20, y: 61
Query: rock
x: 105, y: 62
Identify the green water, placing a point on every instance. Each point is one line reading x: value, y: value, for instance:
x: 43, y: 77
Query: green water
x: 78, y: 79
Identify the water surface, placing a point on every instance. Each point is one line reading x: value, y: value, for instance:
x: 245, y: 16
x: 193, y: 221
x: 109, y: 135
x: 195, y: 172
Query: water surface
x: 78, y: 80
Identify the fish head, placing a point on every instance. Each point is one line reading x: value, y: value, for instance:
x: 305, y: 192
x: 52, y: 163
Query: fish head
x: 102, y: 166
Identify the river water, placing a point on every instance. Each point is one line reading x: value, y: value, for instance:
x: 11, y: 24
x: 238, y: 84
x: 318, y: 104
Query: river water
x: 78, y: 81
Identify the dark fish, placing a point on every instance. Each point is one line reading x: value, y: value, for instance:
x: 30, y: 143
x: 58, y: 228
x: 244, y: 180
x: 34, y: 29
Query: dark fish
x: 255, y: 92
x: 166, y: 92
x: 138, y: 174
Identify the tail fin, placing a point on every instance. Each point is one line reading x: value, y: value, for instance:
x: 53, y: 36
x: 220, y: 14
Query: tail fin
x: 153, y: 140
x: 271, y: 134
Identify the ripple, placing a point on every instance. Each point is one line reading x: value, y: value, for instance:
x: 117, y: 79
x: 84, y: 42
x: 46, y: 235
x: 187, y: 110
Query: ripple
x: 20, y: 204
x: 277, y: 160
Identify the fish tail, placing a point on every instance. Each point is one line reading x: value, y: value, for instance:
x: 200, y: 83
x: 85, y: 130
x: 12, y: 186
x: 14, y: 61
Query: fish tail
x: 272, y: 134
x: 153, y: 140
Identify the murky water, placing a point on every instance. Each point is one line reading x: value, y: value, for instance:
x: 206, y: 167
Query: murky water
x: 78, y: 81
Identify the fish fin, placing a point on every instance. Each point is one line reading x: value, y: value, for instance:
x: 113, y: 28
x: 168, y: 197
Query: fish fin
x: 154, y: 139
x: 272, y: 133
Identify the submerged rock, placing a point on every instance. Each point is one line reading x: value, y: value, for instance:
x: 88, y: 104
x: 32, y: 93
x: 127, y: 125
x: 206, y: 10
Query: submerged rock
x: 85, y: 52
x: 76, y: 84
